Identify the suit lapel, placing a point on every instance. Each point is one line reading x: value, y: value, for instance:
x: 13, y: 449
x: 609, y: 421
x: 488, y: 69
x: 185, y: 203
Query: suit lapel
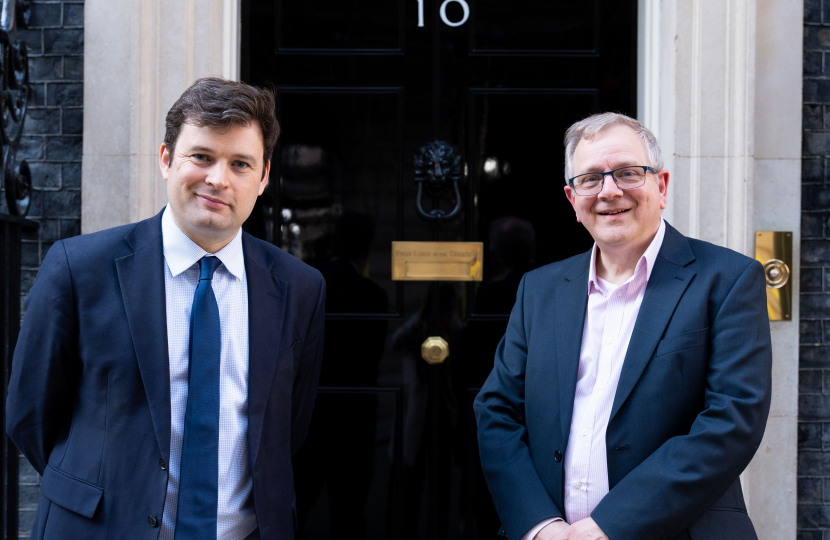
x: 267, y: 295
x: 669, y: 279
x: 570, y: 306
x: 141, y: 278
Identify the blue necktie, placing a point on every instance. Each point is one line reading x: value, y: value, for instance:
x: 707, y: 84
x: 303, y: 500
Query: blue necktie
x: 199, y: 481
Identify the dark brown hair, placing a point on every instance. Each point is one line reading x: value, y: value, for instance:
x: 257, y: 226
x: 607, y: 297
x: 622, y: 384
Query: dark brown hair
x: 218, y: 103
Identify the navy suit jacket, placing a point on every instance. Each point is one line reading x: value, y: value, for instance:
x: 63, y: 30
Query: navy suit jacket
x: 89, y: 395
x: 689, y: 411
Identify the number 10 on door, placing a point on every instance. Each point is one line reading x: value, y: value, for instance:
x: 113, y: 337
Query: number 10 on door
x: 443, y: 12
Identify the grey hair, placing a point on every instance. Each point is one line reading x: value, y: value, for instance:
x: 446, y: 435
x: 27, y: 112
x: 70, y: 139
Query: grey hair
x: 589, y: 127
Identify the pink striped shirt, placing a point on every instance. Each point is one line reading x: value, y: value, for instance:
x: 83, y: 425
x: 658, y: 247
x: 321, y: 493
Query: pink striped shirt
x: 609, y: 322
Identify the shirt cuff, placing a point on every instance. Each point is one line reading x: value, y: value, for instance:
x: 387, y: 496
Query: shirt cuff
x: 531, y: 534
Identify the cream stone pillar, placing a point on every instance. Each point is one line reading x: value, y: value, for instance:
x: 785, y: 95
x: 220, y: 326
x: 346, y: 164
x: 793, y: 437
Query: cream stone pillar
x: 139, y: 56
x: 720, y: 83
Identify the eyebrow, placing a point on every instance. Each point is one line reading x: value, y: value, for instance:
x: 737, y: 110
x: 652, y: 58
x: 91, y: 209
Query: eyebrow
x: 595, y: 167
x: 206, y: 150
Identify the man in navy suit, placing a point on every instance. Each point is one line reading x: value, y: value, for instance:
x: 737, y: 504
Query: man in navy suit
x: 632, y: 386
x: 166, y: 370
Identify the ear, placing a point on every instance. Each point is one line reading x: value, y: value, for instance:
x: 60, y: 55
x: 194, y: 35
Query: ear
x: 264, y: 182
x: 164, y: 161
x: 663, y: 186
x: 569, y: 193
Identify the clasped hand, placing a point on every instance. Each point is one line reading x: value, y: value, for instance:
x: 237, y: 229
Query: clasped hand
x: 584, y: 529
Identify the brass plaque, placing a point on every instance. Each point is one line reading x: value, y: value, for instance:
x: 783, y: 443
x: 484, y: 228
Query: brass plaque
x: 437, y: 261
x: 774, y: 249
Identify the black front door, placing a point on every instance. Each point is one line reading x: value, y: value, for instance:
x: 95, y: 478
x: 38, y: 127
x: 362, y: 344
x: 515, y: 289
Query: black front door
x: 362, y: 87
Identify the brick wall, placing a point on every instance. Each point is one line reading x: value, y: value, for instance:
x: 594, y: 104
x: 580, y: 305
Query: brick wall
x: 814, y: 357
x: 52, y: 145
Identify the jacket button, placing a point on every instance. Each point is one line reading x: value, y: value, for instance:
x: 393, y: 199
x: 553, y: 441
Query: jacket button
x: 162, y: 464
x: 557, y: 456
x: 152, y: 521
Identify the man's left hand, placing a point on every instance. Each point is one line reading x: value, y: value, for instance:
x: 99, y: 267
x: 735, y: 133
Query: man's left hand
x: 585, y: 529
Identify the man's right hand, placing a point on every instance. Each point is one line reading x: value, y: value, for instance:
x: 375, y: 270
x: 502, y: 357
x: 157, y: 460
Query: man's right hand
x: 552, y: 530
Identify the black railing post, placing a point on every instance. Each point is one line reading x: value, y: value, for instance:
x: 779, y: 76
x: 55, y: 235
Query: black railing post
x: 11, y: 232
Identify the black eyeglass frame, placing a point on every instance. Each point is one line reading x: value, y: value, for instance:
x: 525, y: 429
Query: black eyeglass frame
x: 646, y: 169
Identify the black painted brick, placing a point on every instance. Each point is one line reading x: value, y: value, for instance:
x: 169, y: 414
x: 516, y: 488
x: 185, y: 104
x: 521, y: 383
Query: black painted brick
x: 73, y: 14
x: 815, y: 197
x: 811, y: 516
x: 811, y: 279
x: 30, y: 254
x: 812, y: 225
x: 72, y: 122
x: 44, y: 15
x: 812, y: 169
x: 71, y: 175
x: 810, y: 490
x: 65, y: 94
x: 46, y: 175
x: 42, y: 122
x: 27, y: 279
x: 63, y: 203
x: 31, y: 148
x: 33, y: 37
x: 815, y: 252
x: 816, y: 38
x: 73, y: 67
x: 813, y: 63
x: 50, y: 230
x: 809, y: 436
x: 45, y: 68
x: 63, y: 41
x: 812, y: 116
x: 810, y: 381
x: 38, y: 95
x: 812, y: 11
x: 814, y: 408
x: 810, y: 463
x: 69, y: 148
x: 809, y: 332
x: 815, y: 143
x: 70, y: 228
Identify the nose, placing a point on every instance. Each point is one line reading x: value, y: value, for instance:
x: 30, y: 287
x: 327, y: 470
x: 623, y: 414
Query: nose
x: 218, y: 176
x: 610, y: 190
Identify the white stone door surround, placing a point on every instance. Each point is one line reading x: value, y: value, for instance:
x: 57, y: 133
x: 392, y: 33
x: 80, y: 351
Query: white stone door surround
x: 719, y: 83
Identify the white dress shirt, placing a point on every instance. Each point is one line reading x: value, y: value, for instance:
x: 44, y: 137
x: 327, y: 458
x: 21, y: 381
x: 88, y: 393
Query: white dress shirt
x: 609, y: 321
x: 235, y: 513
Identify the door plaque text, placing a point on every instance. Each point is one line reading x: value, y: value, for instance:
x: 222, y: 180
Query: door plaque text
x: 437, y: 261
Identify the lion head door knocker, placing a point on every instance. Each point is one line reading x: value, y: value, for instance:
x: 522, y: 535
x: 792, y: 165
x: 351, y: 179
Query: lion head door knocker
x: 437, y: 172
x: 15, y: 93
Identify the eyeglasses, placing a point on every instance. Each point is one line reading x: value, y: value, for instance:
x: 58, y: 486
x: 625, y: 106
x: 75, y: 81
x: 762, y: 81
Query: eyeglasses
x: 625, y: 178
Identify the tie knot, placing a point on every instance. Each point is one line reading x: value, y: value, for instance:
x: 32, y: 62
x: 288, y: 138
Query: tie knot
x: 207, y: 266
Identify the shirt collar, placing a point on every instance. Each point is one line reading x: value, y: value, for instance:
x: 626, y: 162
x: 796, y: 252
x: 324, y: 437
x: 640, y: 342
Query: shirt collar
x: 648, y: 258
x: 181, y: 252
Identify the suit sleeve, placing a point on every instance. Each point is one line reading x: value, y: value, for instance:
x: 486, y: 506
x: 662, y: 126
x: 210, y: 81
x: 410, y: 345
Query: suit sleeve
x: 518, y: 493
x: 674, y: 486
x: 40, y: 398
x: 308, y: 372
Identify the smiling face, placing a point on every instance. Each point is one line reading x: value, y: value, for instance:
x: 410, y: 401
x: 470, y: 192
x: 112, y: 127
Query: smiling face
x: 213, y: 181
x: 617, y: 219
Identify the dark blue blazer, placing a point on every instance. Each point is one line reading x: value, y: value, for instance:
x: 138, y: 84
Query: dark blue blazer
x: 689, y: 411
x: 89, y: 395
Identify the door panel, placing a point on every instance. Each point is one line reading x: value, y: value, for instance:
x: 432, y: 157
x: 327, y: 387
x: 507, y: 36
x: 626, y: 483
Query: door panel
x: 361, y: 87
